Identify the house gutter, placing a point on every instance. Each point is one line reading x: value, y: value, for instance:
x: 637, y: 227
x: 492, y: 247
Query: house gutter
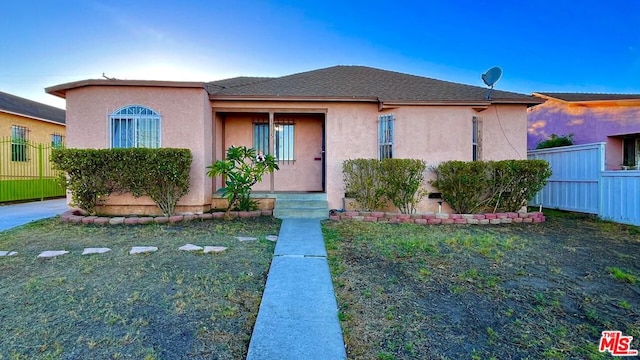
x: 291, y: 98
x: 61, y: 90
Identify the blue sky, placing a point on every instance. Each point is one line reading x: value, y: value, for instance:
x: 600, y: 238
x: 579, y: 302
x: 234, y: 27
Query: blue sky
x: 561, y: 45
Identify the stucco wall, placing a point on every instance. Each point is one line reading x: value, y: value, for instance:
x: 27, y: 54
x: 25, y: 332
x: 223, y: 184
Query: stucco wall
x: 185, y: 123
x: 430, y: 133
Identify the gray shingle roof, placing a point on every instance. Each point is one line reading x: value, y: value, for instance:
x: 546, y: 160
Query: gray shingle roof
x: 217, y: 86
x: 361, y: 82
x: 22, y: 106
x: 571, y: 97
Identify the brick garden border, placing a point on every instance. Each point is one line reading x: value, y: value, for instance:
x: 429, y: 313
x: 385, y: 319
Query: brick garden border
x: 433, y: 218
x: 77, y: 217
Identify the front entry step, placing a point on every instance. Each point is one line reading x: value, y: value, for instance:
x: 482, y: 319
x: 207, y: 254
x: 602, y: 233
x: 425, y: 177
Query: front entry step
x: 302, y: 206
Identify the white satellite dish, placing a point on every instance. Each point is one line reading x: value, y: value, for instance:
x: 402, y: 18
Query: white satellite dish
x: 491, y: 77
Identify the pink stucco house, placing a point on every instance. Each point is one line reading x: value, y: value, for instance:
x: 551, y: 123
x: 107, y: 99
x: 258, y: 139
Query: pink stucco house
x: 610, y: 118
x: 311, y: 121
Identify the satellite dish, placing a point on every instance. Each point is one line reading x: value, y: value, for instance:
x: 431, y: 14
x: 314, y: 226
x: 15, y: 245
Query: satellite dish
x: 490, y: 78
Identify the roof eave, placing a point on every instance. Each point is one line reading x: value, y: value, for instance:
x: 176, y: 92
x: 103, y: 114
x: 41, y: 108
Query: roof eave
x: 61, y: 90
x: 473, y: 103
x: 33, y: 117
x: 590, y: 102
x: 547, y: 97
x: 215, y: 97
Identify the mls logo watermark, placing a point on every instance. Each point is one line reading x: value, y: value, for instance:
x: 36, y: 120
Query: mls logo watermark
x: 616, y: 344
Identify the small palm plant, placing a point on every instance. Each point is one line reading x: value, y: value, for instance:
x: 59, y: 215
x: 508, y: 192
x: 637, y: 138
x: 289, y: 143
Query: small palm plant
x: 243, y: 168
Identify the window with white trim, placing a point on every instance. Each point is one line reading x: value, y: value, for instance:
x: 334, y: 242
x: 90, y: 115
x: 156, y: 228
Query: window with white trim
x: 476, y: 138
x: 283, y: 139
x: 135, y: 126
x: 385, y: 136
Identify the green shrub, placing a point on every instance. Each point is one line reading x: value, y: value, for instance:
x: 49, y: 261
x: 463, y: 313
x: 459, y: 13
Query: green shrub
x: 401, y: 182
x: 515, y: 182
x: 556, y: 141
x: 161, y: 174
x: 243, y: 168
x: 465, y: 186
x: 361, y: 181
x: 86, y: 173
x: 479, y: 186
x: 372, y: 182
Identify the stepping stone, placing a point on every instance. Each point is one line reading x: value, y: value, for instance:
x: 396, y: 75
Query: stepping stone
x: 214, y: 249
x: 246, y: 238
x: 142, y: 249
x: 8, y: 253
x: 190, y: 247
x: 272, y: 237
x: 88, y: 251
x: 52, y: 253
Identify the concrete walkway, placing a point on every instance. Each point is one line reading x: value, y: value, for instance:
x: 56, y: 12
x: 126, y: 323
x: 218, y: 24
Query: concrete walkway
x: 20, y: 214
x: 298, y: 317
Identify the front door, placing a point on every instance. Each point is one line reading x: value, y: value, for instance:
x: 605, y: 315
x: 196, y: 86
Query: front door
x: 298, y: 142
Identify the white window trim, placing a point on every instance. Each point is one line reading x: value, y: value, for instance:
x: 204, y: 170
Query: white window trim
x: 135, y: 117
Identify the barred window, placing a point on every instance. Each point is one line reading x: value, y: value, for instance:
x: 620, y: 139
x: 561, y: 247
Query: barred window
x: 385, y: 136
x: 283, y: 139
x: 57, y: 140
x: 19, y: 139
x: 476, y: 138
x: 135, y: 126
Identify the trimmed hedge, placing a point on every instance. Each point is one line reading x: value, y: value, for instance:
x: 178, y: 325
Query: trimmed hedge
x: 490, y: 186
x: 372, y: 182
x: 162, y: 174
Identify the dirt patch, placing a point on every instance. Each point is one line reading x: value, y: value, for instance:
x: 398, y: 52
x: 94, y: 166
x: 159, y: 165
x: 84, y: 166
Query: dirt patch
x: 505, y: 292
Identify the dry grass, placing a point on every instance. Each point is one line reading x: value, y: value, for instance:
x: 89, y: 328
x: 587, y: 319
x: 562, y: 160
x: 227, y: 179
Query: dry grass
x: 165, y: 305
x: 469, y: 292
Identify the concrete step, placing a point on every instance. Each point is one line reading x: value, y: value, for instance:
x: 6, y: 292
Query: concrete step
x: 312, y: 204
x: 301, y: 208
x: 301, y: 213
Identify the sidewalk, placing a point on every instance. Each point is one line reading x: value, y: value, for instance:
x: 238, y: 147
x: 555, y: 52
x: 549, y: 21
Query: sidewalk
x: 20, y: 214
x: 298, y: 317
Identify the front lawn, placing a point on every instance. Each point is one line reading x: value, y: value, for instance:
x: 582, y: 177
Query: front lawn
x: 481, y: 292
x: 164, y: 305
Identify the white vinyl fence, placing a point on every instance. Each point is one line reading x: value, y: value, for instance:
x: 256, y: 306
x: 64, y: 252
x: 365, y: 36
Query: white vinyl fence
x: 579, y: 183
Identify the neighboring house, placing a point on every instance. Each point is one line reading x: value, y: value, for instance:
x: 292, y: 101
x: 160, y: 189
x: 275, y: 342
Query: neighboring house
x: 28, y: 130
x: 310, y: 121
x: 26, y: 120
x: 610, y: 118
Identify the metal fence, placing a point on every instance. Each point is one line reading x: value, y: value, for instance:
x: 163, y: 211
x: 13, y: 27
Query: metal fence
x: 579, y: 183
x: 26, y: 172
